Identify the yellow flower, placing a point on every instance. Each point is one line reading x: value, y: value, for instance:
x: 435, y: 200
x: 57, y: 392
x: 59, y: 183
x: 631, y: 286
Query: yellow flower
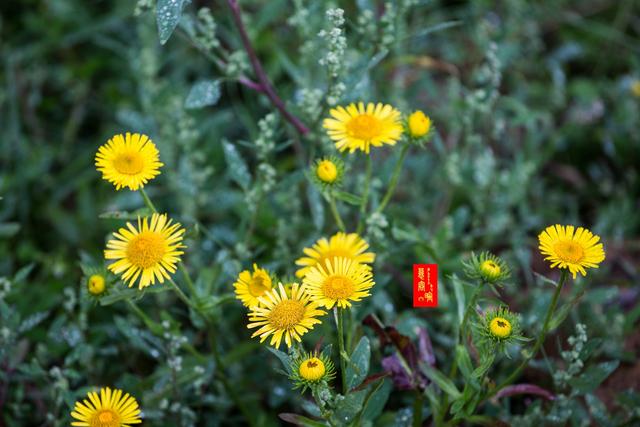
x: 419, y: 124
x: 326, y: 171
x: 148, y: 252
x: 312, y: 369
x: 635, y: 88
x: 339, y: 282
x: 359, y: 127
x: 350, y: 246
x: 96, y: 284
x: 490, y: 269
x: 109, y: 409
x: 282, y: 315
x: 128, y: 161
x: 566, y: 249
x: 250, y: 286
x: 500, y: 327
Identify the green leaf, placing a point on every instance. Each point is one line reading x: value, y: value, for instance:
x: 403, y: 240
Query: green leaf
x: 464, y: 362
x: 284, y: 358
x: 486, y: 360
x: 358, y: 367
x: 316, y: 207
x: 445, y: 384
x: 300, y: 420
x: 460, y: 299
x: 593, y: 376
x: 598, y: 411
x: 168, y: 13
x: 209, y: 303
x: 348, y: 407
x: 375, y: 401
x: 202, y: 94
x: 350, y: 198
x: 237, y: 167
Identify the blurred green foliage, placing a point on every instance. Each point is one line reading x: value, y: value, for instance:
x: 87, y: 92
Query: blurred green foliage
x: 536, y: 124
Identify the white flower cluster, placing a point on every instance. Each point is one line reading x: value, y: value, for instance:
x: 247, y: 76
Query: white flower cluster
x: 207, y: 26
x: 335, y: 41
x: 572, y: 357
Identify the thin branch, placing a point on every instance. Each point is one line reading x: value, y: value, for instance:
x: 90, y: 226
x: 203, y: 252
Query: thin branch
x: 259, y: 71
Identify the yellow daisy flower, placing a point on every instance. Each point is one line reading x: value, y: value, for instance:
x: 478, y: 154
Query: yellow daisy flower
x: 250, y: 286
x: 148, y: 252
x: 566, y: 249
x: 282, y: 315
x: 109, y: 409
x: 359, y: 127
x: 339, y: 282
x: 500, y: 327
x: 128, y: 161
x: 344, y: 245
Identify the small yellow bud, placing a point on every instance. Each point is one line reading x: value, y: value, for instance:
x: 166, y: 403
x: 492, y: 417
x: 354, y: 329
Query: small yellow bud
x: 500, y: 327
x: 327, y: 171
x: 490, y: 269
x: 95, y: 284
x: 312, y: 369
x: 419, y: 124
x: 635, y: 88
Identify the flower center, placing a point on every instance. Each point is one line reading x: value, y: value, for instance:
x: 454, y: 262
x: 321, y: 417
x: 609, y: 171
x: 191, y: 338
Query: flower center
x: 338, y: 287
x: 490, y: 268
x: 569, y: 251
x: 105, y: 418
x: 286, y: 314
x: 363, y: 127
x: 146, y: 249
x: 128, y: 163
x: 312, y: 370
x: 500, y: 327
x: 257, y: 285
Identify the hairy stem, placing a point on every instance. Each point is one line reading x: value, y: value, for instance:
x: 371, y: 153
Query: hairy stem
x: 335, y: 212
x: 343, y: 367
x: 365, y: 196
x: 394, y: 179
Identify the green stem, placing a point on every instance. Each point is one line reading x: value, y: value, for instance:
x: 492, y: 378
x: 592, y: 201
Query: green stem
x: 336, y: 213
x: 187, y: 278
x: 148, y: 201
x: 417, y: 409
x: 470, y: 308
x: 182, y: 295
x: 394, y: 179
x: 343, y: 367
x: 365, y: 195
x: 541, y: 337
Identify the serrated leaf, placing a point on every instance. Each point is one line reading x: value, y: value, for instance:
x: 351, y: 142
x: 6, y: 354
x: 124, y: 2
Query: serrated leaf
x: 358, y: 366
x: 202, y: 94
x: 352, y: 199
x: 168, y: 13
x: 440, y: 379
x: 237, y: 167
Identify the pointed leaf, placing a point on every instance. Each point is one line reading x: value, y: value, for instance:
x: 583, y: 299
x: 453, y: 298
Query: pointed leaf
x: 358, y: 366
x: 445, y: 384
x: 237, y: 167
x: 168, y: 14
x: 203, y: 94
